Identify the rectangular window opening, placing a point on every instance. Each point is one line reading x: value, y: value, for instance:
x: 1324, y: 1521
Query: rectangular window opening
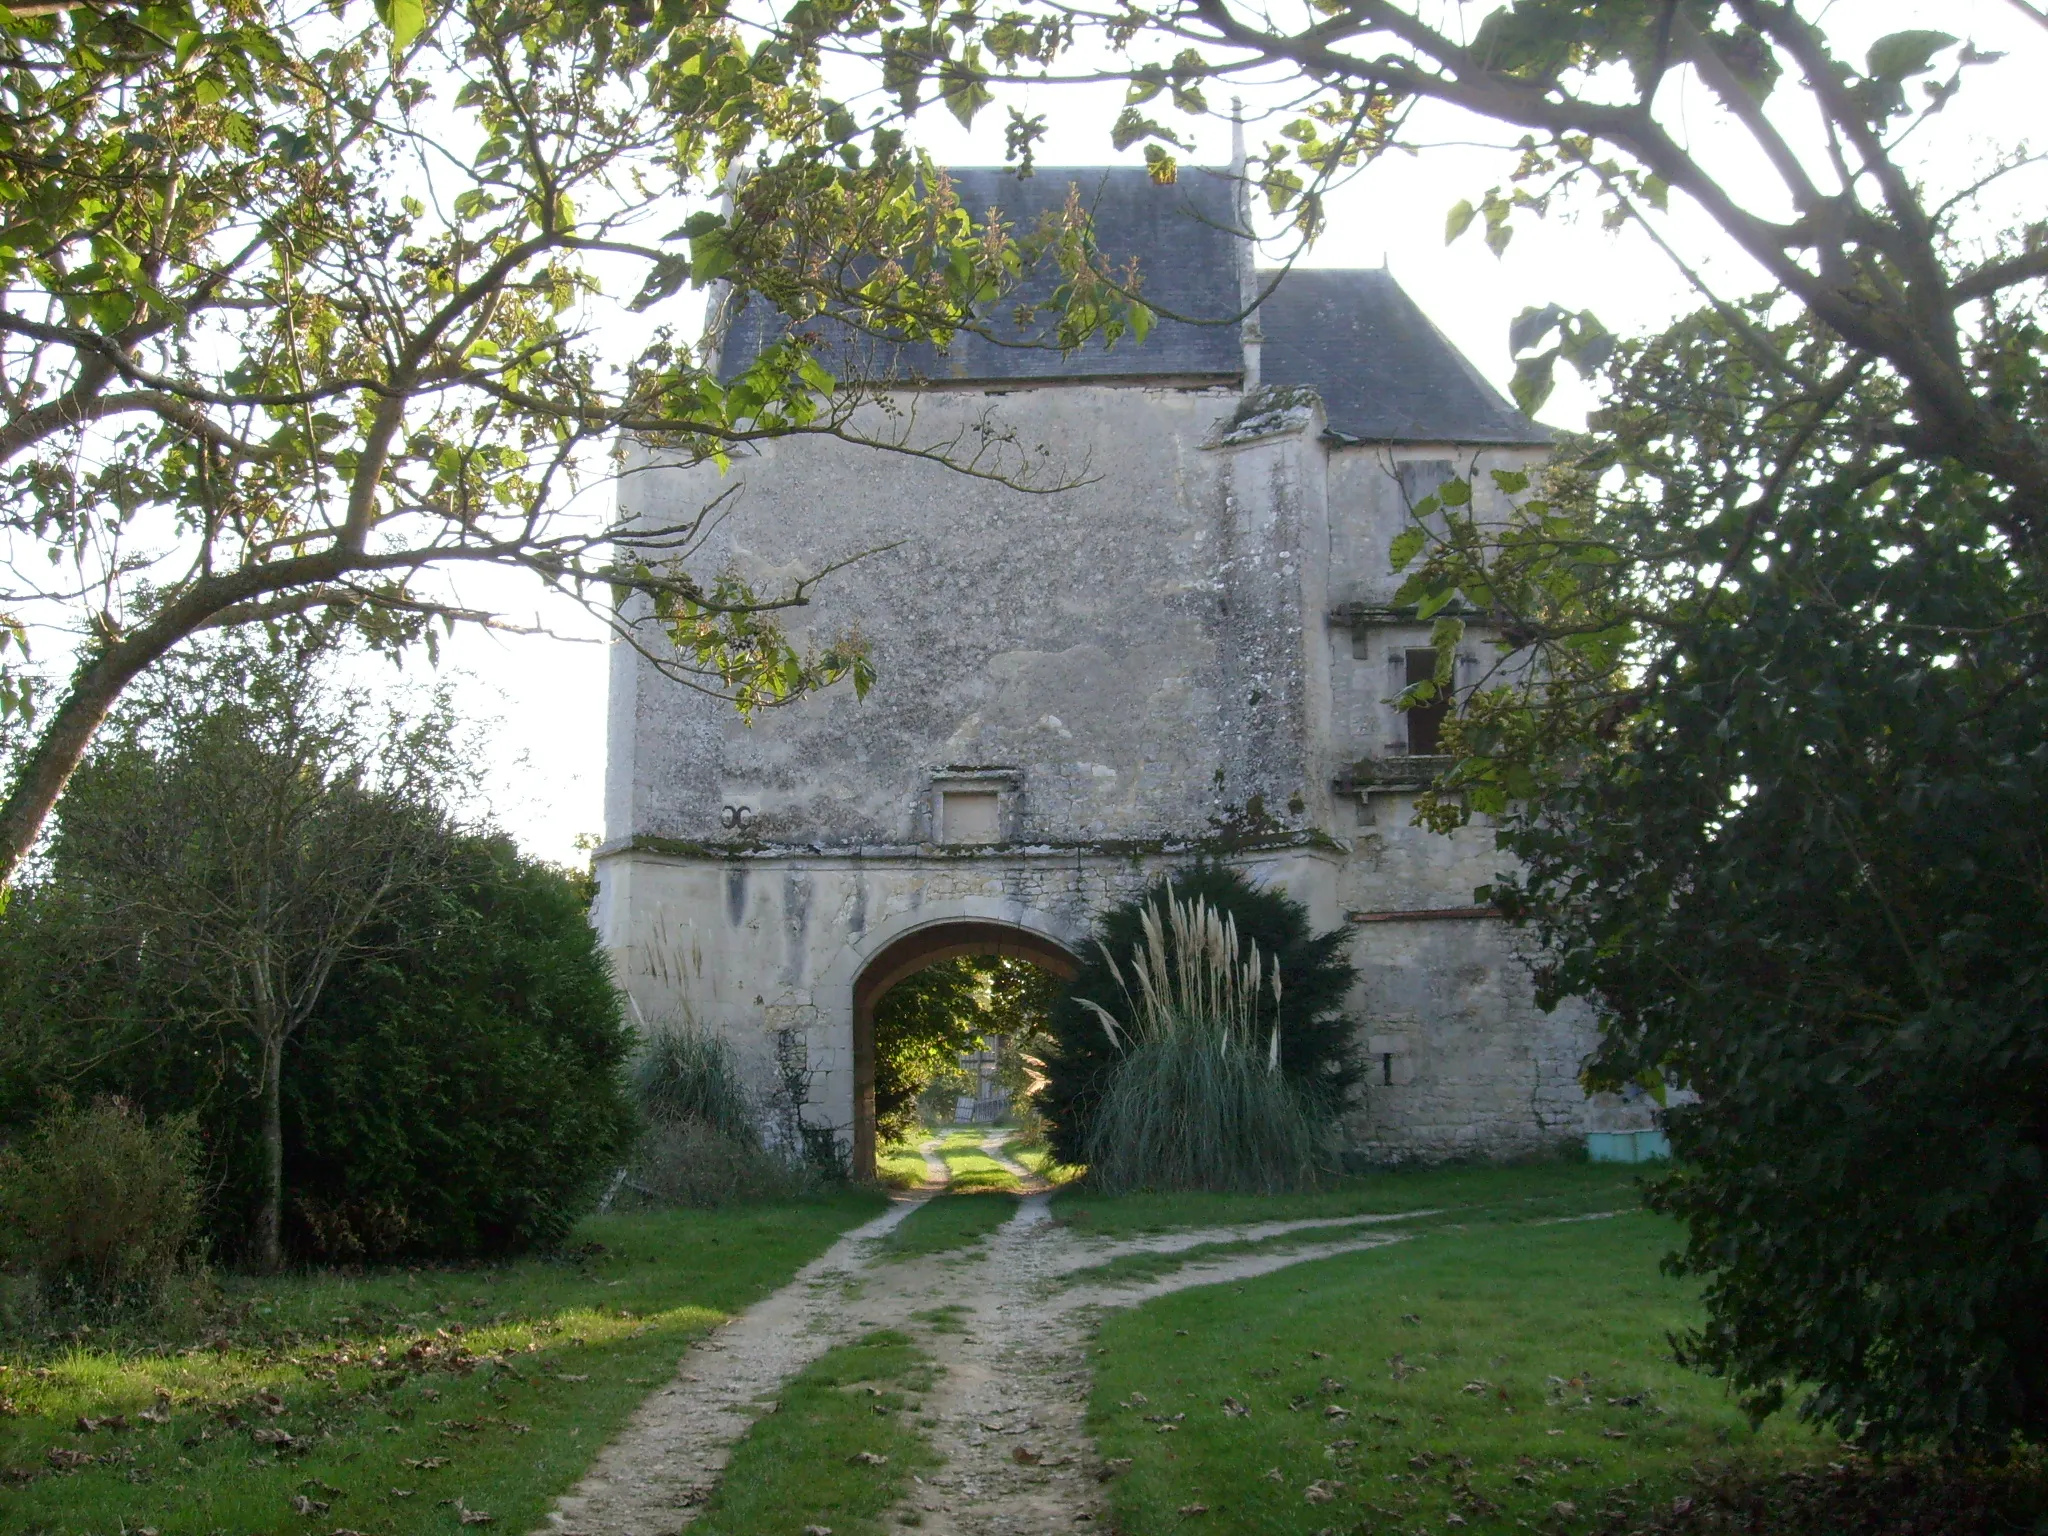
x: 970, y: 816
x: 1425, y: 721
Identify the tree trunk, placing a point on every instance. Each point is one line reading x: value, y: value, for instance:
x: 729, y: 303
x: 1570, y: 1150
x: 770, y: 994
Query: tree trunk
x: 270, y: 1215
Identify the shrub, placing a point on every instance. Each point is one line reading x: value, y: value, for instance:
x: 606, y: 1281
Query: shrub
x: 689, y: 1163
x: 461, y: 1093
x: 1316, y: 1035
x: 1196, y: 1097
x: 101, y: 1204
x: 685, y: 1074
x: 702, y: 1142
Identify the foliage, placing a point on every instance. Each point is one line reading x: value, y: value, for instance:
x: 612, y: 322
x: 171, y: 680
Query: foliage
x: 701, y: 1144
x: 924, y: 1023
x: 460, y: 1092
x: 237, y: 833
x: 686, y: 1163
x: 457, y: 1091
x: 1774, y: 781
x: 378, y: 1389
x: 1195, y: 1098
x: 101, y: 1204
x: 685, y: 1074
x: 308, y: 304
x: 1316, y: 1051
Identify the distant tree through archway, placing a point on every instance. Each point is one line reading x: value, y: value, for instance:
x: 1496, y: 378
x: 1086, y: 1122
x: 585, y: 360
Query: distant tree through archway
x: 905, y: 957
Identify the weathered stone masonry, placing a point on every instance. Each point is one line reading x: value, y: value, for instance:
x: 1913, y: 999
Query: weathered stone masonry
x: 1191, y: 649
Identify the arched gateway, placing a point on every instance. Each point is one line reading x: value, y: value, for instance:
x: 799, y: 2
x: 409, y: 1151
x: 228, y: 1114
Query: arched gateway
x: 905, y: 957
x: 1191, y: 652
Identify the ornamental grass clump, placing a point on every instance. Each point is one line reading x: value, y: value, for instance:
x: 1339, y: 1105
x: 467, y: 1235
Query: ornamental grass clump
x: 1195, y: 1098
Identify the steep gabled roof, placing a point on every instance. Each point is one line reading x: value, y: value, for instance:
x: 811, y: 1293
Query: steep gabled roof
x: 1188, y: 263
x: 1385, y: 373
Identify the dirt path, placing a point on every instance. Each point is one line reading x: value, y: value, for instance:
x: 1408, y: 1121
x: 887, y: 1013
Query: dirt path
x: 1003, y: 1321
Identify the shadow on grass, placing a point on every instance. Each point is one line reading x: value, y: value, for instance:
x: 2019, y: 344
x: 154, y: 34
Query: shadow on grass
x: 381, y: 1401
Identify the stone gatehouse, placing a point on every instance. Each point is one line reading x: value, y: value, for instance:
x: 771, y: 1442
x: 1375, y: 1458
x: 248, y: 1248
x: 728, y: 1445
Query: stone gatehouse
x: 1193, y: 649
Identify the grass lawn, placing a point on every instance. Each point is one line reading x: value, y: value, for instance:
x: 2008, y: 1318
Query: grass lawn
x: 837, y: 1451
x: 392, y: 1402
x: 1490, y: 1374
x: 1515, y: 1192
x: 901, y: 1166
x: 948, y: 1222
x: 973, y: 1169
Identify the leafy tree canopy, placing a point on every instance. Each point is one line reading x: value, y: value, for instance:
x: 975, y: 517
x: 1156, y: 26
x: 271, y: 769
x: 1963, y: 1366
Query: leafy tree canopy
x: 303, y: 304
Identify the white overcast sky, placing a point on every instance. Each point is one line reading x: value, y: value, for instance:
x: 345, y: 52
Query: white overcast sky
x: 543, y: 700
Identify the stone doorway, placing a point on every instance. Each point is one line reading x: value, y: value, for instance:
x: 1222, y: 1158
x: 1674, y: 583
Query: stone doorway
x: 905, y: 957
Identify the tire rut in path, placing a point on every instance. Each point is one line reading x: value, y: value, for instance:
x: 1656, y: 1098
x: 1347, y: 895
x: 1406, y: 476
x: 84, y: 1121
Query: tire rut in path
x: 1007, y: 1413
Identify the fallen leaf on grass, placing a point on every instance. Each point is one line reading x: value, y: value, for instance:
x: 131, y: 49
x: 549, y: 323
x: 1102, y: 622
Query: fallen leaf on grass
x: 817, y: 1530
x: 271, y: 1404
x: 1194, y: 1509
x: 430, y: 1464
x: 340, y: 1530
x: 1167, y: 1429
x: 1334, y: 1412
x: 866, y: 1459
x: 1116, y: 1466
x: 64, y: 1458
x: 1322, y: 1491
x: 566, y: 1377
x: 306, y: 1506
x: 1234, y: 1409
x: 1024, y: 1456
x: 263, y: 1434
x: 1273, y: 1475
x: 160, y: 1411
x: 1317, y: 1354
x: 403, y: 1493
x: 1613, y: 1434
x: 1564, y: 1509
x: 1477, y: 1388
x: 1454, y: 1519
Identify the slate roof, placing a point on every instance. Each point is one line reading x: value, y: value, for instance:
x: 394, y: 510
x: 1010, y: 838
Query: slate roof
x: 1384, y: 372
x: 1188, y: 262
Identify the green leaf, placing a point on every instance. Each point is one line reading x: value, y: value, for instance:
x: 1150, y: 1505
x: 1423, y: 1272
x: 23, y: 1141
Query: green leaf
x: 1455, y: 493
x: 407, y: 19
x: 1532, y: 325
x: 1406, y: 546
x: 1458, y: 220
x: 1533, y: 381
x: 1905, y: 54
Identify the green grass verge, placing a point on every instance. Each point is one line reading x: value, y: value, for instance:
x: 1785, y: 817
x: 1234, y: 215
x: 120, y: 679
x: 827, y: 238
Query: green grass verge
x: 972, y: 1169
x: 945, y: 1223
x: 813, y: 1461
x: 1502, y: 1374
x: 1539, y: 1189
x: 403, y: 1398
x: 901, y: 1166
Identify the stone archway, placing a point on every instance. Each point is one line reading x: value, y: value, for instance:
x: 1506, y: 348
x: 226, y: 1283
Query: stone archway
x: 904, y: 957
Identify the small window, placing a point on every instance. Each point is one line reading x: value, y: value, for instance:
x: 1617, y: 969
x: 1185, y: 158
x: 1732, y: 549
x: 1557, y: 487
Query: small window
x: 970, y: 816
x: 1425, y: 721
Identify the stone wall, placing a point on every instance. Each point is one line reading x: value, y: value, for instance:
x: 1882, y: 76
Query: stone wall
x: 1143, y: 666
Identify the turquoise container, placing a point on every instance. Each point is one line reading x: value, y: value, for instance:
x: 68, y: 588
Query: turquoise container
x: 1627, y: 1146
